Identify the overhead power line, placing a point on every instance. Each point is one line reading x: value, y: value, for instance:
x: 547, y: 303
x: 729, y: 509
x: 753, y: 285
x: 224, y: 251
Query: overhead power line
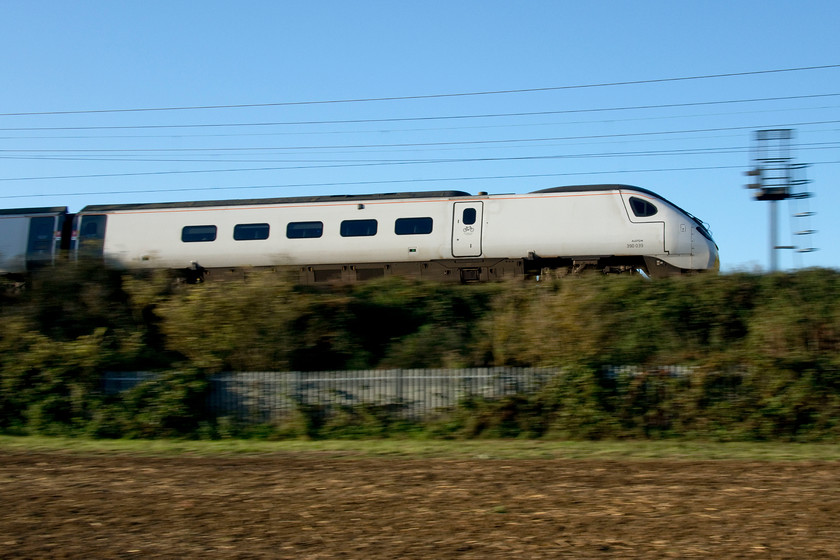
x: 411, y: 144
x: 416, y: 119
x: 394, y: 182
x: 364, y: 163
x: 430, y: 96
x: 718, y: 150
x: 354, y: 164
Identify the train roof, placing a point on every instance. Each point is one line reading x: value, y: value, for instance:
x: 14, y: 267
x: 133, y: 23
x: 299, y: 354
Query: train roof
x: 339, y: 198
x: 285, y: 200
x: 25, y: 211
x: 587, y: 188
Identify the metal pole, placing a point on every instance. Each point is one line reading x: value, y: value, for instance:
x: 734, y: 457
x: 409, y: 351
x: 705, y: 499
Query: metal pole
x: 773, y: 242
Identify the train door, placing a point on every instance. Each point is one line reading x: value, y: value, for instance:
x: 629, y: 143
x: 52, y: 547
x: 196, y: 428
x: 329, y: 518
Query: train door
x: 40, y: 246
x: 467, y: 219
x: 685, y: 239
x: 90, y: 230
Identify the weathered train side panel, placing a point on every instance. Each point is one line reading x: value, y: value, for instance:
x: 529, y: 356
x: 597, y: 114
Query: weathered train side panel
x: 13, y: 233
x: 29, y: 237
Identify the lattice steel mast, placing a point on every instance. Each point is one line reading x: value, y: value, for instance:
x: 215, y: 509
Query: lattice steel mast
x: 778, y: 178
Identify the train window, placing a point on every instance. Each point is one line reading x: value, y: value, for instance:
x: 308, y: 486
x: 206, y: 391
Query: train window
x: 413, y: 226
x: 358, y: 228
x: 304, y: 230
x: 469, y: 216
x: 197, y: 234
x: 41, y: 241
x: 93, y: 227
x: 250, y: 232
x: 92, y: 235
x: 41, y: 231
x: 642, y: 208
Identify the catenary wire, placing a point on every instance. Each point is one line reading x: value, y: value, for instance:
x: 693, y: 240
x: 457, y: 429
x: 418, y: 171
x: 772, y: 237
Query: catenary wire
x: 427, y: 118
x: 441, y: 95
x: 298, y: 167
x: 456, y: 143
x: 431, y: 144
x: 397, y: 181
x: 639, y: 153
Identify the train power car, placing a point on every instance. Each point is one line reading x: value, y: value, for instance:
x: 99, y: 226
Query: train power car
x: 445, y: 235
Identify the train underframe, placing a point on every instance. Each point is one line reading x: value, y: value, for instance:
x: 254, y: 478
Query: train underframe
x: 462, y: 271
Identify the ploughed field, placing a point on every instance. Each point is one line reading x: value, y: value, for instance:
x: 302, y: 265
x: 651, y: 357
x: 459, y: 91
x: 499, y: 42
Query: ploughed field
x: 309, y: 505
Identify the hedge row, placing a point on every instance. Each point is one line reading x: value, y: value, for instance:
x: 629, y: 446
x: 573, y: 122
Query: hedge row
x: 765, y: 350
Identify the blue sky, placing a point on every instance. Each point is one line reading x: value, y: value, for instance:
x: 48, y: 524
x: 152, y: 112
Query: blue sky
x: 311, y: 79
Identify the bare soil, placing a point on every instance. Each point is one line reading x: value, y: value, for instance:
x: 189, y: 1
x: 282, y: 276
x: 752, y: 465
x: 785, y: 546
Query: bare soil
x: 60, y: 505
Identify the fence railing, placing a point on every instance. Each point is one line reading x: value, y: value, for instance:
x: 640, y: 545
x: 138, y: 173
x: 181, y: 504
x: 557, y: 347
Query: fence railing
x: 269, y: 397
x: 414, y: 393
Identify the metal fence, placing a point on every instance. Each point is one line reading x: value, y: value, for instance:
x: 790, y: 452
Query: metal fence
x: 270, y: 397
x: 415, y: 393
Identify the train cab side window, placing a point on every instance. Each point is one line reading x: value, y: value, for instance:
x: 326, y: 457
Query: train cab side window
x: 197, y: 234
x: 304, y: 230
x: 358, y: 228
x: 413, y: 226
x: 642, y: 208
x: 250, y: 232
x: 469, y: 216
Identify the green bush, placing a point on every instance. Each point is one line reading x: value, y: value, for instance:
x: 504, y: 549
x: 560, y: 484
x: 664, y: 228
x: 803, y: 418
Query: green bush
x: 764, y: 353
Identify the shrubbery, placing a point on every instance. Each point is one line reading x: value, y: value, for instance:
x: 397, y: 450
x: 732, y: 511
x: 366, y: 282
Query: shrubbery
x: 764, y: 352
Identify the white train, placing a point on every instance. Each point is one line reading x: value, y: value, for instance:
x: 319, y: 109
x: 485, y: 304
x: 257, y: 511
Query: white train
x: 448, y: 235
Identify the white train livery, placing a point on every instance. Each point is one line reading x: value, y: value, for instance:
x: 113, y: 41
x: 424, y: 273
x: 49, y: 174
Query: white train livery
x: 445, y: 235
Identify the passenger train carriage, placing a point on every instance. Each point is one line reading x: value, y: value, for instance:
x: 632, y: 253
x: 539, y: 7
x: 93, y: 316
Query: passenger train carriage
x: 445, y: 235
x: 30, y: 237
